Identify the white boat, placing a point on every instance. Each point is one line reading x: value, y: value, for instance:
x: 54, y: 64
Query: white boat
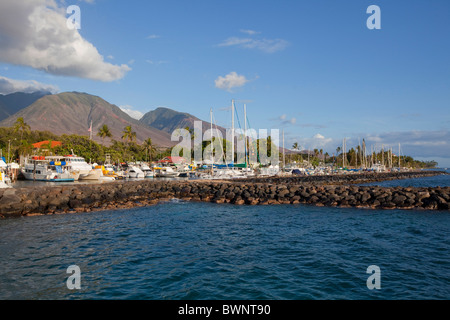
x: 269, y: 171
x: 135, y: 172
x: 148, y: 172
x: 42, y: 169
x: 165, y: 172
x: 85, y: 170
x: 75, y: 174
x: 3, y: 178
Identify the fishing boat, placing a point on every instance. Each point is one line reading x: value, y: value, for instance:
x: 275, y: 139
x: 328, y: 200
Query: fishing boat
x: 57, y: 160
x: 42, y: 169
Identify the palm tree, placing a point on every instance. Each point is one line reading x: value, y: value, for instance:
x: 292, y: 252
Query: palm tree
x: 316, y: 153
x: 25, y: 147
x: 338, y: 149
x: 295, y: 146
x: 148, y: 145
x: 191, y: 131
x: 128, y: 134
x: 22, y: 126
x: 104, y: 132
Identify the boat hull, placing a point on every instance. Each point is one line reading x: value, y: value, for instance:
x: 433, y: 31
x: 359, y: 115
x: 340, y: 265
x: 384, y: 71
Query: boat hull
x: 92, y: 175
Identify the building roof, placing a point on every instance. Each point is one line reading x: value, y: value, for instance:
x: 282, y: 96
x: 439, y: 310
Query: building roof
x: 44, y: 144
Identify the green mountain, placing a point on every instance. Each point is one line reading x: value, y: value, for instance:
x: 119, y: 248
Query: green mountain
x: 73, y: 112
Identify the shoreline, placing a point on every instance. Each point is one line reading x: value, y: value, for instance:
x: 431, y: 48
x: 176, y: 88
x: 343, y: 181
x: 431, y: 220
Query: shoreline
x: 330, y: 191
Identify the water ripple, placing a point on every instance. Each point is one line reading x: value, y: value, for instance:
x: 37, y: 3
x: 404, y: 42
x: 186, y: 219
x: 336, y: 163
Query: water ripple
x: 205, y: 251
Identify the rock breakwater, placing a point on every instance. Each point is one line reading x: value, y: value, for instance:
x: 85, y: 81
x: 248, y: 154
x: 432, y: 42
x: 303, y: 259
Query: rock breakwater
x: 357, y: 178
x: 270, y: 191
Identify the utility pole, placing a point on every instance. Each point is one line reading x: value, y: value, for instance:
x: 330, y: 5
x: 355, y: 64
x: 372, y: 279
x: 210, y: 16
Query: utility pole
x: 9, y: 150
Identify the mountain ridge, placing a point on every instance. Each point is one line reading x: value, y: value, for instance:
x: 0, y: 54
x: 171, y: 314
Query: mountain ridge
x: 72, y: 113
x: 168, y: 120
x: 12, y: 103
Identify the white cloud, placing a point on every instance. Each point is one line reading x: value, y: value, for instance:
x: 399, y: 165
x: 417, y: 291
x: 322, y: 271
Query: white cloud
x: 415, y: 143
x: 250, y: 32
x: 132, y: 113
x: 318, y: 141
x: 319, y: 136
x: 34, y: 33
x: 156, y: 63
x: 153, y: 36
x: 283, y: 120
x: 265, y: 45
x: 230, y: 81
x: 8, y: 86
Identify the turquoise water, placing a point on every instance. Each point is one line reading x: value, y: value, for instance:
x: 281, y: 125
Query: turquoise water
x: 198, y: 251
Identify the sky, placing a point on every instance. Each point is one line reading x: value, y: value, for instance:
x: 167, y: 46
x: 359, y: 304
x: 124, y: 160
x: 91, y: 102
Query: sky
x: 313, y: 69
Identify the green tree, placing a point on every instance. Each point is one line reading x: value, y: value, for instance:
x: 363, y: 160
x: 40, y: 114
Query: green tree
x: 104, y: 132
x: 22, y: 126
x: 148, y: 146
x: 128, y: 134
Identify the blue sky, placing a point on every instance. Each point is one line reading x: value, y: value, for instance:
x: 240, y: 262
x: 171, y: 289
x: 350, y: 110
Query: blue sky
x: 310, y: 68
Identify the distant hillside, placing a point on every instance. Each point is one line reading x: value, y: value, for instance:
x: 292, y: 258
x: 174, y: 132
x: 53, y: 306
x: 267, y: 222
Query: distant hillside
x: 169, y: 120
x: 12, y: 103
x: 72, y: 112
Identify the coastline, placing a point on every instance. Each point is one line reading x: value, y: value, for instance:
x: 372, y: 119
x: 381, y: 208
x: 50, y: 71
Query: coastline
x: 330, y: 191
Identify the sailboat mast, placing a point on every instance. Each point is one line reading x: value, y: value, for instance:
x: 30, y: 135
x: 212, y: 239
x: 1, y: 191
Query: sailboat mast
x: 284, y: 157
x: 212, y: 149
x: 232, y: 131
x: 245, y: 133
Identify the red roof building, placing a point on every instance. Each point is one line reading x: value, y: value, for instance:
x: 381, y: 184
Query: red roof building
x: 44, y: 144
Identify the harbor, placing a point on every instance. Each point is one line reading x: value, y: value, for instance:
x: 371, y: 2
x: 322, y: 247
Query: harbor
x: 340, y: 192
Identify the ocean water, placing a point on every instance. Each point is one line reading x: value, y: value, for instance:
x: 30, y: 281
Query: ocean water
x: 426, y: 182
x: 202, y: 251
